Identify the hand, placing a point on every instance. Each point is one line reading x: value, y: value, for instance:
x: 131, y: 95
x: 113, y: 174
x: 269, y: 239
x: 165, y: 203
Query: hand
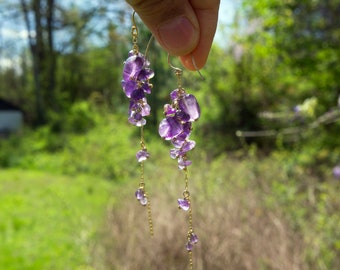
x: 185, y: 28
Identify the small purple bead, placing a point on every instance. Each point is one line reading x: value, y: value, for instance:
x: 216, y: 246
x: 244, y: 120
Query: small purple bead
x: 145, y: 109
x: 132, y: 67
x: 174, y: 94
x: 144, y: 201
x: 174, y: 153
x: 137, y: 94
x: 189, y: 246
x: 183, y: 163
x: 336, y: 172
x: 193, y: 238
x: 142, y: 155
x: 169, y: 111
x: 139, y: 194
x: 188, y: 145
x: 128, y: 87
x: 169, y: 128
x: 189, y: 105
x: 183, y: 204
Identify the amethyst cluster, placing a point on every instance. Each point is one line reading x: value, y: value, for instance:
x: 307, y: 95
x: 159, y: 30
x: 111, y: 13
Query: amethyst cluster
x: 192, y: 239
x: 177, y: 124
x: 136, y: 85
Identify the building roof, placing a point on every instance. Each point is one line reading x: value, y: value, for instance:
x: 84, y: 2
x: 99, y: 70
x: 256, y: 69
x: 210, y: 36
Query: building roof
x: 7, y: 106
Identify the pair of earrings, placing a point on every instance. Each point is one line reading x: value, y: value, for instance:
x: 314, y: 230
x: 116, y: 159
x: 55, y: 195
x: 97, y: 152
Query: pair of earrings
x: 175, y: 127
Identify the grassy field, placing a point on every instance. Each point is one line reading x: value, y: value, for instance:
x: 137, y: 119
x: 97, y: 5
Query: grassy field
x: 49, y: 221
x: 67, y: 202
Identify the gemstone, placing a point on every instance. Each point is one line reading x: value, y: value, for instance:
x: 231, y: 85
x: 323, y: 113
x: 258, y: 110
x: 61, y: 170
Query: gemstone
x: 169, y: 128
x: 145, y: 109
x: 183, y: 163
x: 169, y: 110
x: 145, y: 74
x: 183, y: 116
x: 174, y: 94
x: 188, y: 145
x: 132, y: 67
x: 336, y: 172
x: 189, y: 246
x: 142, y: 155
x: 184, y: 204
x: 137, y: 94
x: 128, y: 87
x: 143, y: 201
x: 146, y: 87
x: 174, y: 153
x: 193, y: 238
x: 136, y: 119
x: 139, y: 194
x: 189, y: 105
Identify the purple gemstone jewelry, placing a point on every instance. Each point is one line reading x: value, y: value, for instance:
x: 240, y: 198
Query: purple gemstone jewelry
x: 136, y: 86
x: 176, y: 127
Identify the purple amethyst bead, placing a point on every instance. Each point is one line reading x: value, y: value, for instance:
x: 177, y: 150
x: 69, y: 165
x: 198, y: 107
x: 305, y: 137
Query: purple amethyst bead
x: 193, y: 238
x: 144, y: 201
x: 142, y: 155
x: 336, y: 172
x: 132, y: 67
x: 139, y: 194
x: 183, y: 163
x: 184, y: 204
x: 189, y: 105
x: 169, y: 128
x: 189, y: 246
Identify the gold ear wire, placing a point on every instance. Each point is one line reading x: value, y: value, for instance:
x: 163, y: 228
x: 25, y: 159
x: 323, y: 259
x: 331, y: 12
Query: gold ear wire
x: 134, y: 34
x: 177, y: 71
x: 148, y: 46
x: 195, y: 66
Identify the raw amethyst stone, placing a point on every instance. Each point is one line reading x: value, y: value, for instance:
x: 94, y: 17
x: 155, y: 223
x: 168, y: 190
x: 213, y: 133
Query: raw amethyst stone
x: 129, y: 87
x: 139, y: 194
x: 144, y: 201
x: 189, y: 246
x: 137, y: 94
x: 169, y: 110
x: 174, y: 94
x: 183, y: 204
x: 169, y: 128
x: 142, y: 155
x: 189, y: 105
x: 132, y: 67
x: 336, y: 172
x: 188, y: 145
x: 183, y: 163
x: 193, y: 238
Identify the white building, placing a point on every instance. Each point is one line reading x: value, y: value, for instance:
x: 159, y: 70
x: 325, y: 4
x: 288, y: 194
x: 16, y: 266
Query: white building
x: 11, y: 117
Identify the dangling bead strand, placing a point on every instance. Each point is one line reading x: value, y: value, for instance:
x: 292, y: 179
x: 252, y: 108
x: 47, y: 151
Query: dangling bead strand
x: 136, y: 85
x: 176, y: 127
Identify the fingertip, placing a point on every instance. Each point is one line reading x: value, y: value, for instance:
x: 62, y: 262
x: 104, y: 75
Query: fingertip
x: 178, y: 36
x: 193, y: 62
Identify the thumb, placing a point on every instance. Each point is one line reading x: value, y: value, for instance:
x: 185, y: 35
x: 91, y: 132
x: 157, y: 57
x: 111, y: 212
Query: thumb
x: 172, y: 22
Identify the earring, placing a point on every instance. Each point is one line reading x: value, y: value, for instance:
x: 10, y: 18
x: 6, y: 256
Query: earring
x: 176, y: 127
x: 136, y: 85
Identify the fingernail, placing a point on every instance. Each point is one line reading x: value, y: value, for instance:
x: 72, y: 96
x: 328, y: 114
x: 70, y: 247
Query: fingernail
x: 178, y: 35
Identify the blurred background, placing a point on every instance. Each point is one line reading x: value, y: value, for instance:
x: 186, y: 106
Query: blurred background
x: 266, y: 167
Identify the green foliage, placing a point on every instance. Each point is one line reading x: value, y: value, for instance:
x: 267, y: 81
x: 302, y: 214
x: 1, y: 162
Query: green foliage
x: 104, y: 151
x: 49, y: 221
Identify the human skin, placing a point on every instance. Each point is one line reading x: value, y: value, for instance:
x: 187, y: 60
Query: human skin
x: 185, y: 28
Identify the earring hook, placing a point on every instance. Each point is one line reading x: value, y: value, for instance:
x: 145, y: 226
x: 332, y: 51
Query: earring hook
x: 177, y: 71
x: 195, y: 66
x: 134, y: 33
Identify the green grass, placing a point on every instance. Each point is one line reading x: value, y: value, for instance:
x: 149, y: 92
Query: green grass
x: 59, y: 205
x: 49, y: 221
